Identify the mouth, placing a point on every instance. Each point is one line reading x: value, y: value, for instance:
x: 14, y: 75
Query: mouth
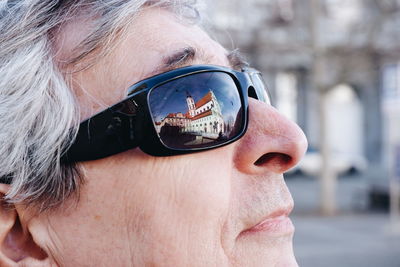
x: 277, y: 223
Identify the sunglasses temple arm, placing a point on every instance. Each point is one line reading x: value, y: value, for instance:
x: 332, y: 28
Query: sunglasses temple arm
x: 106, y: 134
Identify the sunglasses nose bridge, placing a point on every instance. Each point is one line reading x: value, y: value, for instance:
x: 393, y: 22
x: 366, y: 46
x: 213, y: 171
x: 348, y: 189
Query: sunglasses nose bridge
x: 246, y: 84
x: 250, y: 90
x: 257, y: 88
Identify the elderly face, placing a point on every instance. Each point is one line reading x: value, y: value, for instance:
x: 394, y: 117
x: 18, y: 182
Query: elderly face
x: 223, y: 207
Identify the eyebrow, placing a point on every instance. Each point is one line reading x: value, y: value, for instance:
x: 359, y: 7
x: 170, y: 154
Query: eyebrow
x: 236, y: 60
x: 180, y: 58
x: 188, y: 55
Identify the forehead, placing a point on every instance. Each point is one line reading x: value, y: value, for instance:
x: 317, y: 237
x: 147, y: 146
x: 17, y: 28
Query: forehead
x: 148, y: 43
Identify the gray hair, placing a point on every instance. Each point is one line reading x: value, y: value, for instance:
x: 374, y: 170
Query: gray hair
x: 38, y: 112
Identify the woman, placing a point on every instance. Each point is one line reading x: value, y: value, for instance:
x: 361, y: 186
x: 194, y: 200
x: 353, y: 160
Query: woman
x: 101, y: 169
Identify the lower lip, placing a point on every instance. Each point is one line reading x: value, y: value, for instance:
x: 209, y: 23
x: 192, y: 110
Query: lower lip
x: 280, y: 226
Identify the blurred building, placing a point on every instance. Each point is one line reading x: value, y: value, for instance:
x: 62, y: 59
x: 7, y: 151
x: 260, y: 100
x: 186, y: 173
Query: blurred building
x: 357, y: 46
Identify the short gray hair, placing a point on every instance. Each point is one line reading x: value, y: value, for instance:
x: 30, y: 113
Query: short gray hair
x: 38, y: 112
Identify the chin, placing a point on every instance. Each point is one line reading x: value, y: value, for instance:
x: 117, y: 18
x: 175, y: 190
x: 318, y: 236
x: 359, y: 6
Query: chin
x: 268, y: 260
x: 265, y: 252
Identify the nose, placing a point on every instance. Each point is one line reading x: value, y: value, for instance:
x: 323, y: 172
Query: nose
x: 272, y: 142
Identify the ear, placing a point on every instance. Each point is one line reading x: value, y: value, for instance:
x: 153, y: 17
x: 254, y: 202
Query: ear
x: 17, y: 247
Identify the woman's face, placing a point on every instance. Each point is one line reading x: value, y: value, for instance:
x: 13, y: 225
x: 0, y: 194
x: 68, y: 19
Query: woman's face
x: 222, y: 207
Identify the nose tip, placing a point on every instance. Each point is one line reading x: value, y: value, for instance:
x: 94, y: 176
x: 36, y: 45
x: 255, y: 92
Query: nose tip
x: 272, y: 142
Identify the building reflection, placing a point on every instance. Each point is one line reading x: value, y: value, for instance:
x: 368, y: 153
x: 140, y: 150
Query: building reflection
x: 201, y: 124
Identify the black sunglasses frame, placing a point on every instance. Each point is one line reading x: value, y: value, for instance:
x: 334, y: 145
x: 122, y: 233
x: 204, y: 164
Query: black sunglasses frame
x: 129, y: 123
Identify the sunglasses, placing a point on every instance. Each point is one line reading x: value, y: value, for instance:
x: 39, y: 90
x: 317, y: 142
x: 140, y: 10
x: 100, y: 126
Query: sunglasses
x: 182, y: 111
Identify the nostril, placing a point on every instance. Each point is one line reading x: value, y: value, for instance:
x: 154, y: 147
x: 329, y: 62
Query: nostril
x: 276, y: 159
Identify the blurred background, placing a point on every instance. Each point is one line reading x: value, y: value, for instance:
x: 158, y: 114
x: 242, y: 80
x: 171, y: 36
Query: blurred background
x: 333, y: 67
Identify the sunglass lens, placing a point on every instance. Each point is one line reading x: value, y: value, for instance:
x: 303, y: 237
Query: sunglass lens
x: 197, y: 111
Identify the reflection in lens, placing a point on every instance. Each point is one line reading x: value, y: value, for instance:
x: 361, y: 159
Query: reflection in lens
x: 197, y: 111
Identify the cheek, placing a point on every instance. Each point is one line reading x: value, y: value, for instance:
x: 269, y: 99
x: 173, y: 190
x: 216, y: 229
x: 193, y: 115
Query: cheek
x: 188, y: 190
x: 182, y: 205
x: 152, y: 208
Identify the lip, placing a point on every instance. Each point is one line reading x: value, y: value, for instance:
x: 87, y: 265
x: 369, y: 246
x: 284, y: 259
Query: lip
x: 277, y: 224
